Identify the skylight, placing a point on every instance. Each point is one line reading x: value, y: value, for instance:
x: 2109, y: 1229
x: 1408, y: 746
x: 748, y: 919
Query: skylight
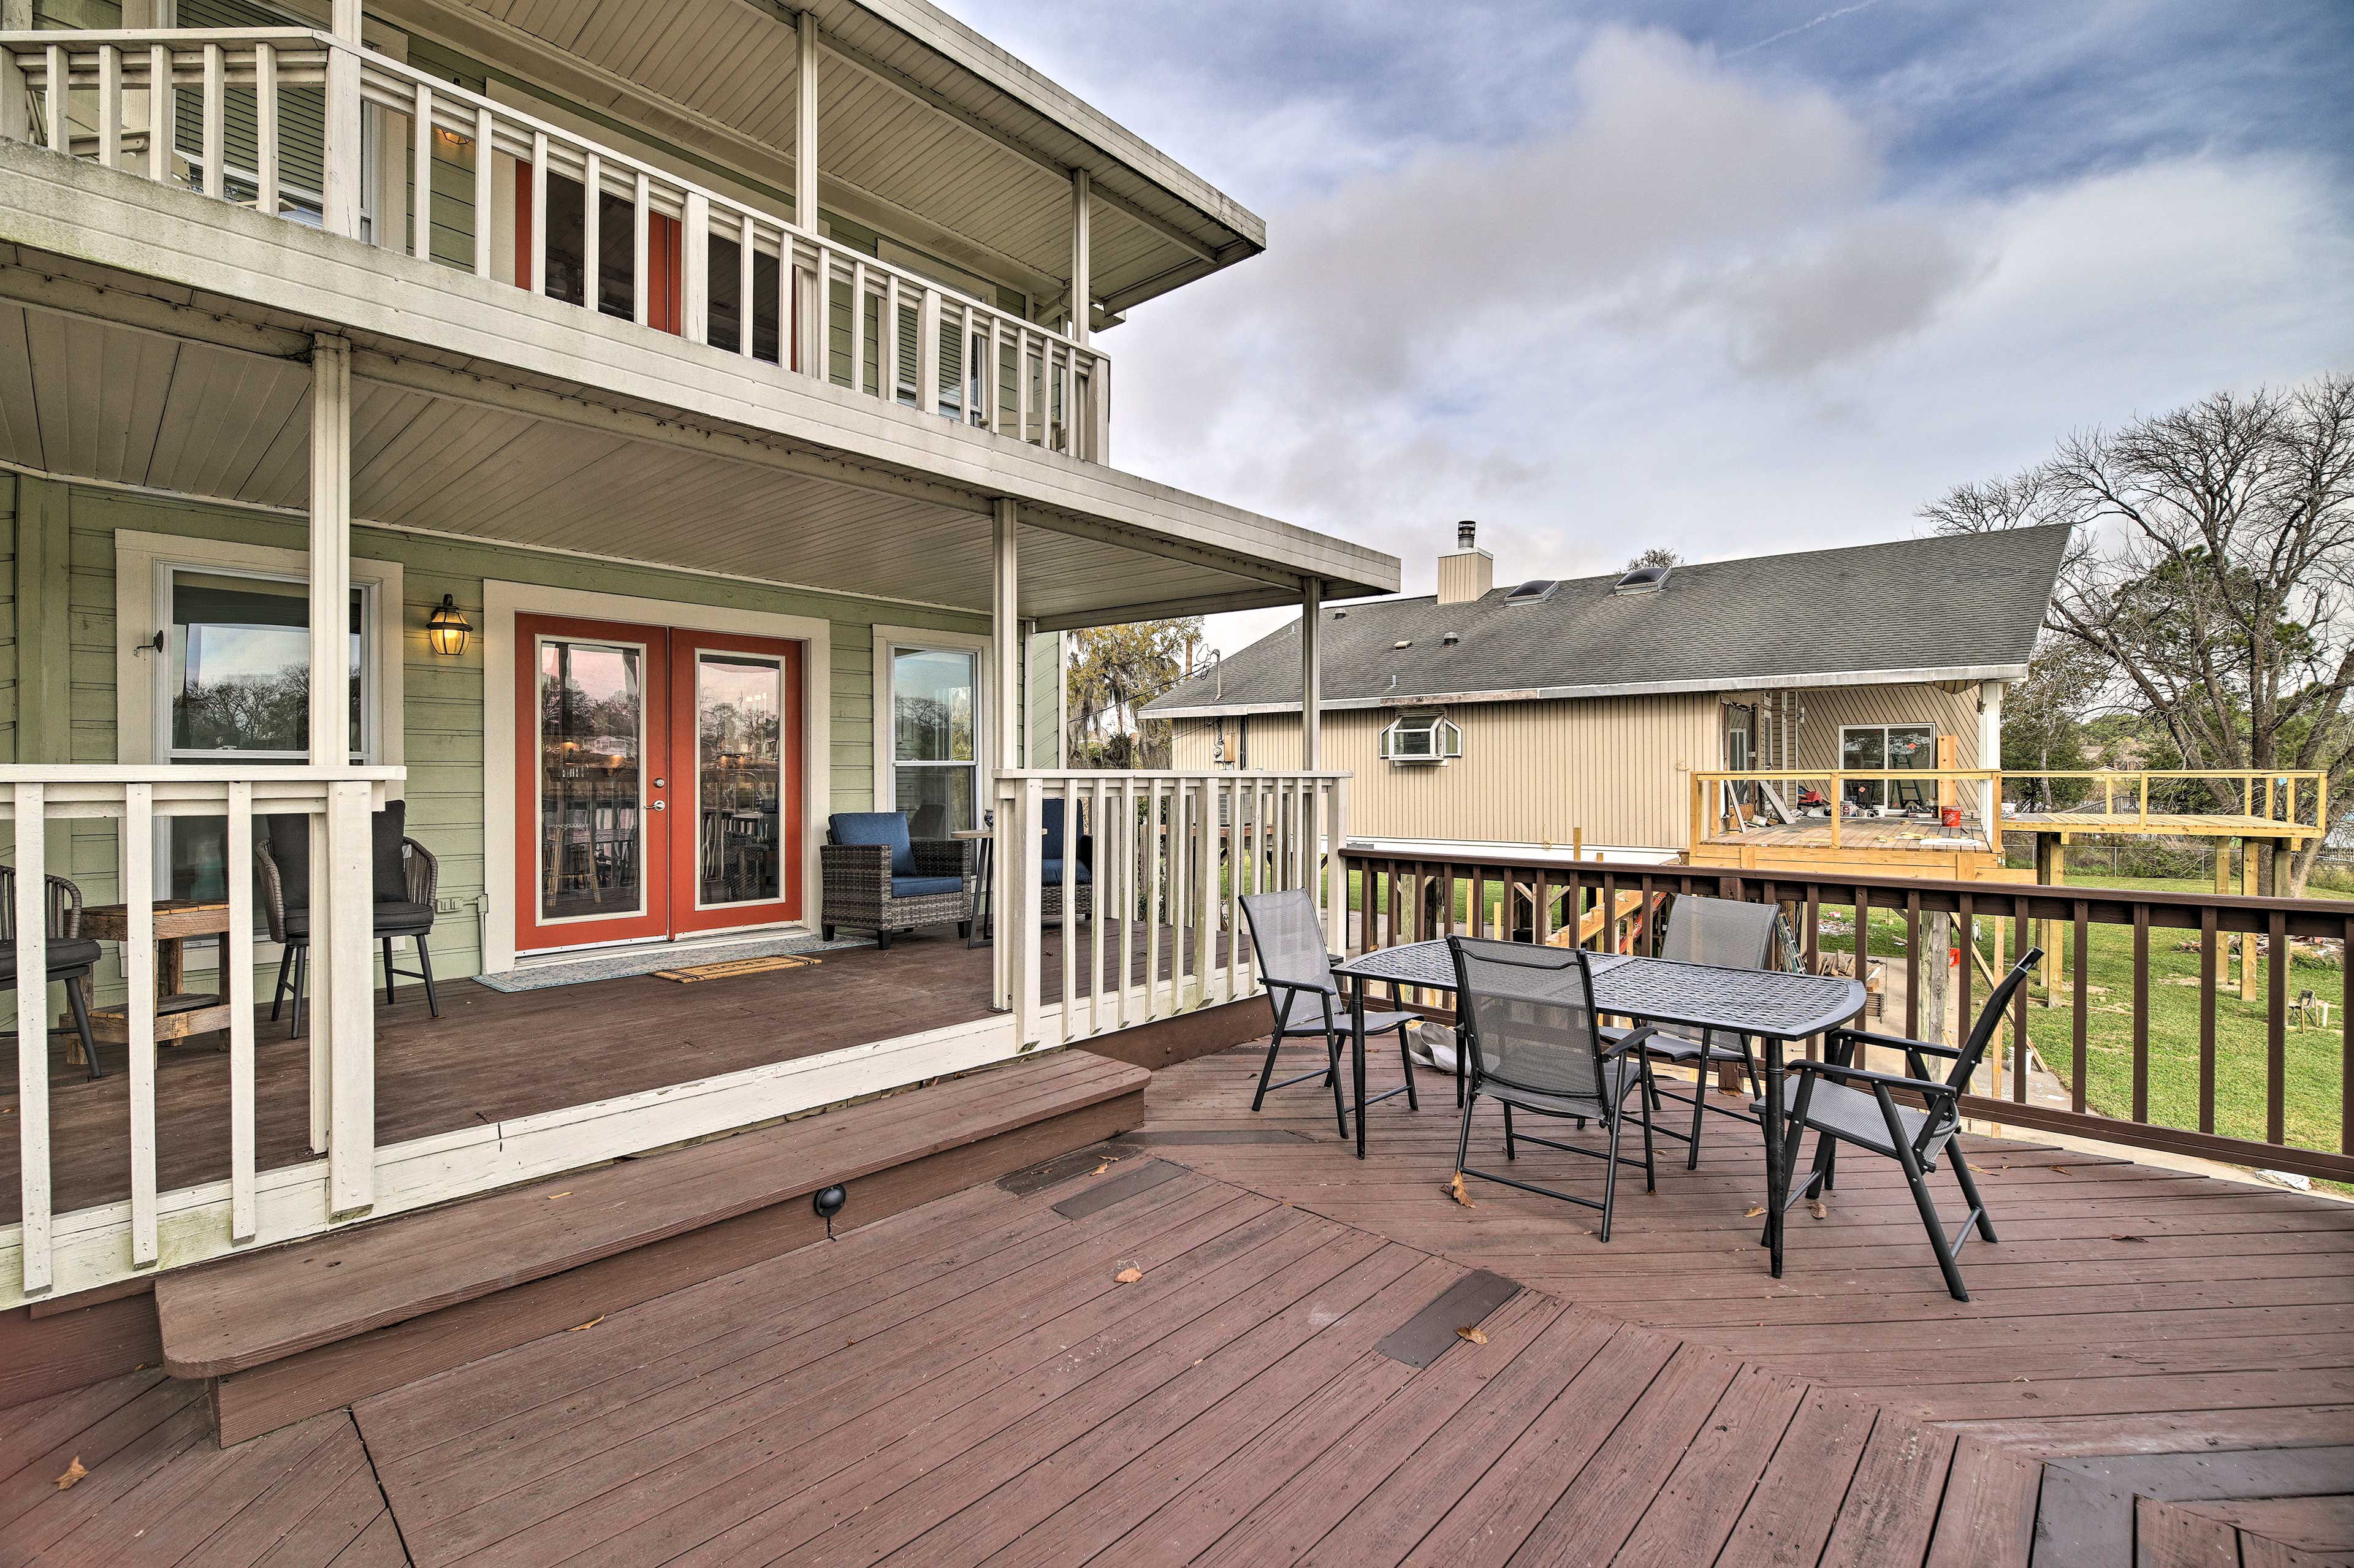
x: 1536, y: 590
x: 1642, y: 580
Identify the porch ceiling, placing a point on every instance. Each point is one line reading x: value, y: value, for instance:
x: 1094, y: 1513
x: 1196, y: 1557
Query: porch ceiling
x: 916, y: 115
x: 516, y: 463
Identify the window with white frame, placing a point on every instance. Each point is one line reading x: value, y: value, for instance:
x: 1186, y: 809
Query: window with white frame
x: 1421, y: 738
x: 1883, y: 746
x: 935, y: 719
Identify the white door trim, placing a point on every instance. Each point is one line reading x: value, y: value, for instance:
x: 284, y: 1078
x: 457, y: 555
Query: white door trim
x: 503, y: 601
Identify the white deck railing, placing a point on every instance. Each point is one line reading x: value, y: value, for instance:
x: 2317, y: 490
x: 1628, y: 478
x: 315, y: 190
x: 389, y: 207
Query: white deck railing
x: 1173, y: 855
x: 342, y: 1023
x: 974, y: 363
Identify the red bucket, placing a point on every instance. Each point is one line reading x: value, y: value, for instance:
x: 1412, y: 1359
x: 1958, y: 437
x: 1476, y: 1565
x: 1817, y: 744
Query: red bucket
x: 1951, y: 816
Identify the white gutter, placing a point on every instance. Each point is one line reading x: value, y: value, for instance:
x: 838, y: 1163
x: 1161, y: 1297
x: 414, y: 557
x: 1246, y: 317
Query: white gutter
x: 1623, y: 689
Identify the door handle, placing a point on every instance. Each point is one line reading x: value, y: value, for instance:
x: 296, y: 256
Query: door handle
x: 658, y: 806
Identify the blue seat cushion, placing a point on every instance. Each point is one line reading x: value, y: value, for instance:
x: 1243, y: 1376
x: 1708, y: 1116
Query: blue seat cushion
x: 888, y: 828
x: 924, y: 886
x: 1051, y: 873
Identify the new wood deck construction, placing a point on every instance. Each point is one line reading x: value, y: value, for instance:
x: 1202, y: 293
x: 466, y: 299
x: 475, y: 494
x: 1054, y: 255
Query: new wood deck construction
x: 1287, y: 1379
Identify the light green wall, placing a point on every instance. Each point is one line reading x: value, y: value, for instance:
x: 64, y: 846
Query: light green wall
x: 443, y: 705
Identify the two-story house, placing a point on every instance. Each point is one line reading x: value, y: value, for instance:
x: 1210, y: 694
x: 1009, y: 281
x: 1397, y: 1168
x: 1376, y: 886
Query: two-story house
x: 670, y: 424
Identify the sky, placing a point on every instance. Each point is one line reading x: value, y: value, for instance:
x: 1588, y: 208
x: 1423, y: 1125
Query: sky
x: 1729, y: 278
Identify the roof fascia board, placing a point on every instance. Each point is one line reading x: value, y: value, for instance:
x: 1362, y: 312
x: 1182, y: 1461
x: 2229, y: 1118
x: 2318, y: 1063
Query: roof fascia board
x: 968, y: 50
x: 1624, y: 689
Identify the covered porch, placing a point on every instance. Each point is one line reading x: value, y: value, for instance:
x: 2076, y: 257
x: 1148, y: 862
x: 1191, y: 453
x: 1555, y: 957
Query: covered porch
x: 370, y: 483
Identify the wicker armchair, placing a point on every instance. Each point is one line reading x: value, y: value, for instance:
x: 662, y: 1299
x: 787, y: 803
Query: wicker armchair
x: 70, y: 954
x: 930, y: 883
x: 285, y: 906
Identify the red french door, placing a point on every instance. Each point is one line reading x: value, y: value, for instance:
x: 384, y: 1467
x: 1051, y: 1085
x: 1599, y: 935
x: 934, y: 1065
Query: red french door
x: 658, y: 782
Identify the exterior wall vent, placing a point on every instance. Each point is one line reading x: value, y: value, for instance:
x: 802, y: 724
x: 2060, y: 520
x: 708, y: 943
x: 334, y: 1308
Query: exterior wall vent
x: 1642, y: 580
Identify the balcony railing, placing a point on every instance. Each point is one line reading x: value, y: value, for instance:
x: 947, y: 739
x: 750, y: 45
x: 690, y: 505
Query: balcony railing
x: 1157, y: 930
x: 844, y: 318
x: 2268, y: 1085
x: 343, y: 1030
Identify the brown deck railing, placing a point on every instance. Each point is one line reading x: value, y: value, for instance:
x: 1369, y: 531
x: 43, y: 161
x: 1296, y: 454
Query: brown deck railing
x: 1401, y: 900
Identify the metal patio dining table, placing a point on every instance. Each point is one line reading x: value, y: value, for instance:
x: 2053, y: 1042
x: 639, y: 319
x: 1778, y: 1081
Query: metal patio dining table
x: 1771, y: 1006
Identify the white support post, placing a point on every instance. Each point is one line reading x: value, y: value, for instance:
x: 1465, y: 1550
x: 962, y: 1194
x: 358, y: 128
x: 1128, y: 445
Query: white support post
x: 1023, y: 927
x: 342, y: 177
x: 695, y: 260
x: 1005, y: 633
x: 1311, y: 674
x: 743, y: 304
x: 330, y: 745
x: 160, y: 105
x: 215, y: 133
x: 109, y: 102
x: 1081, y: 300
x: 1336, y: 830
x: 817, y: 319
x: 16, y: 93
x: 805, y: 125
x: 33, y: 1036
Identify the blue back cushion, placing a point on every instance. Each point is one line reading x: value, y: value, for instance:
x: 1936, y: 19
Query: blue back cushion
x: 888, y: 828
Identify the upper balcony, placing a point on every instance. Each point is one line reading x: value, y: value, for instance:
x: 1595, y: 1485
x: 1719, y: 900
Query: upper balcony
x: 929, y: 264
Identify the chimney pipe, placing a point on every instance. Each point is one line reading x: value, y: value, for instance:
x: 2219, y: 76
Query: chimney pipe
x: 1467, y: 572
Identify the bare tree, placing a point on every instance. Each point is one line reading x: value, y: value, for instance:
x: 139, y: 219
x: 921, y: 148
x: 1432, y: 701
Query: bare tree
x: 2213, y: 551
x: 1656, y: 556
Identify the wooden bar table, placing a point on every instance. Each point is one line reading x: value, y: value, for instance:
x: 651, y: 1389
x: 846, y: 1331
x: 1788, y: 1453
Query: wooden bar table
x: 179, y: 1014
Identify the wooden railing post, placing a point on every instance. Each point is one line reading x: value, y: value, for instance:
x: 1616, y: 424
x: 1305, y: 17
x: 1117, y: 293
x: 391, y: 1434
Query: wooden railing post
x: 138, y: 847
x: 927, y: 352
x: 340, y: 212
x: 32, y: 922
x: 695, y: 320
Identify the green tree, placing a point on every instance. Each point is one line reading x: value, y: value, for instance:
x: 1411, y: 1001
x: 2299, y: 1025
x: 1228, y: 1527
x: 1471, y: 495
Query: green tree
x: 2213, y: 551
x: 1113, y: 670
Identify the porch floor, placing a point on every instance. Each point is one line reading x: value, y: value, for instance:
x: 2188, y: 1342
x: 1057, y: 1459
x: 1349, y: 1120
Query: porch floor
x: 493, y: 1056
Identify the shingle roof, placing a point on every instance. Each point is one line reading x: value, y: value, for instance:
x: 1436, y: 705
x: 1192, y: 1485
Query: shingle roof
x: 1961, y: 607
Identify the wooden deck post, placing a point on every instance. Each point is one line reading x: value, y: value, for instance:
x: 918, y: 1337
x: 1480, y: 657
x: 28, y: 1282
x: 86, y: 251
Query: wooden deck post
x: 2248, y: 943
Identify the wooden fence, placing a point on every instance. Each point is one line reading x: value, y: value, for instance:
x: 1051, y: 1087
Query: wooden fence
x: 1401, y: 900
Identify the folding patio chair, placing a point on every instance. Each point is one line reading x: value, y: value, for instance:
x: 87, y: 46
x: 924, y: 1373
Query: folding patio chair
x: 1288, y: 949
x: 1732, y: 935
x: 1861, y: 1108
x: 1529, y: 1037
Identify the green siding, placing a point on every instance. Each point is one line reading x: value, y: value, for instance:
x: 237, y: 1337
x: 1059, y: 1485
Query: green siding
x: 443, y: 712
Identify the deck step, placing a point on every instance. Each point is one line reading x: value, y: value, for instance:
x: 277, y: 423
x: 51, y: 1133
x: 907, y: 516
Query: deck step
x: 247, y: 1313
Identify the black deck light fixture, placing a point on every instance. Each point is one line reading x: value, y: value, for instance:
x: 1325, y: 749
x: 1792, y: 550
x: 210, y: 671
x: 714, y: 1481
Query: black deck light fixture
x: 829, y: 1201
x: 447, y: 628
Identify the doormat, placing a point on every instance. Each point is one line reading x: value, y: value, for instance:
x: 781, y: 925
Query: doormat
x: 728, y: 969
x: 621, y: 965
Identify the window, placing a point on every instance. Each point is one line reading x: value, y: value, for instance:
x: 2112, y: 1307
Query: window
x: 934, y: 738
x: 239, y: 690
x: 1422, y: 738
x: 1868, y: 747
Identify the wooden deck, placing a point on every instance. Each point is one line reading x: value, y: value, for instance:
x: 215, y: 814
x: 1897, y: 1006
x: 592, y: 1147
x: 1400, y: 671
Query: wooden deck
x: 973, y: 1382
x: 2150, y: 1363
x: 494, y: 1056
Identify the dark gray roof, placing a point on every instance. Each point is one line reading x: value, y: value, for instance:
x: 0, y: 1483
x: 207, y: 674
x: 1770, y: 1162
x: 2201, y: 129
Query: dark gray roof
x: 1945, y: 608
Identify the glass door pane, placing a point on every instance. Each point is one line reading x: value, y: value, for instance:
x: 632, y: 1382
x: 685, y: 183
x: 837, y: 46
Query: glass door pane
x: 591, y: 778
x: 739, y: 778
x: 1913, y: 746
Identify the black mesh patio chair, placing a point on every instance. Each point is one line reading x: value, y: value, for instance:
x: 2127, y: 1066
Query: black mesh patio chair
x: 1287, y: 949
x: 1732, y: 935
x: 1528, y: 1030
x: 70, y: 956
x: 406, y: 878
x: 1846, y: 1104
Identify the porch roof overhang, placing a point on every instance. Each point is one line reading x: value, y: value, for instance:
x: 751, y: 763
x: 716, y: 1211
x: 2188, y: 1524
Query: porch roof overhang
x: 925, y: 128
x: 154, y: 338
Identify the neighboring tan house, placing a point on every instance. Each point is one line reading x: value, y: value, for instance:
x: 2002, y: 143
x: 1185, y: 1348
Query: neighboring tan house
x: 1530, y: 719
x: 736, y: 373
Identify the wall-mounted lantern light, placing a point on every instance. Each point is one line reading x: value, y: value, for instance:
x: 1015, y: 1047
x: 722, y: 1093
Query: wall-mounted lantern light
x: 448, y: 627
